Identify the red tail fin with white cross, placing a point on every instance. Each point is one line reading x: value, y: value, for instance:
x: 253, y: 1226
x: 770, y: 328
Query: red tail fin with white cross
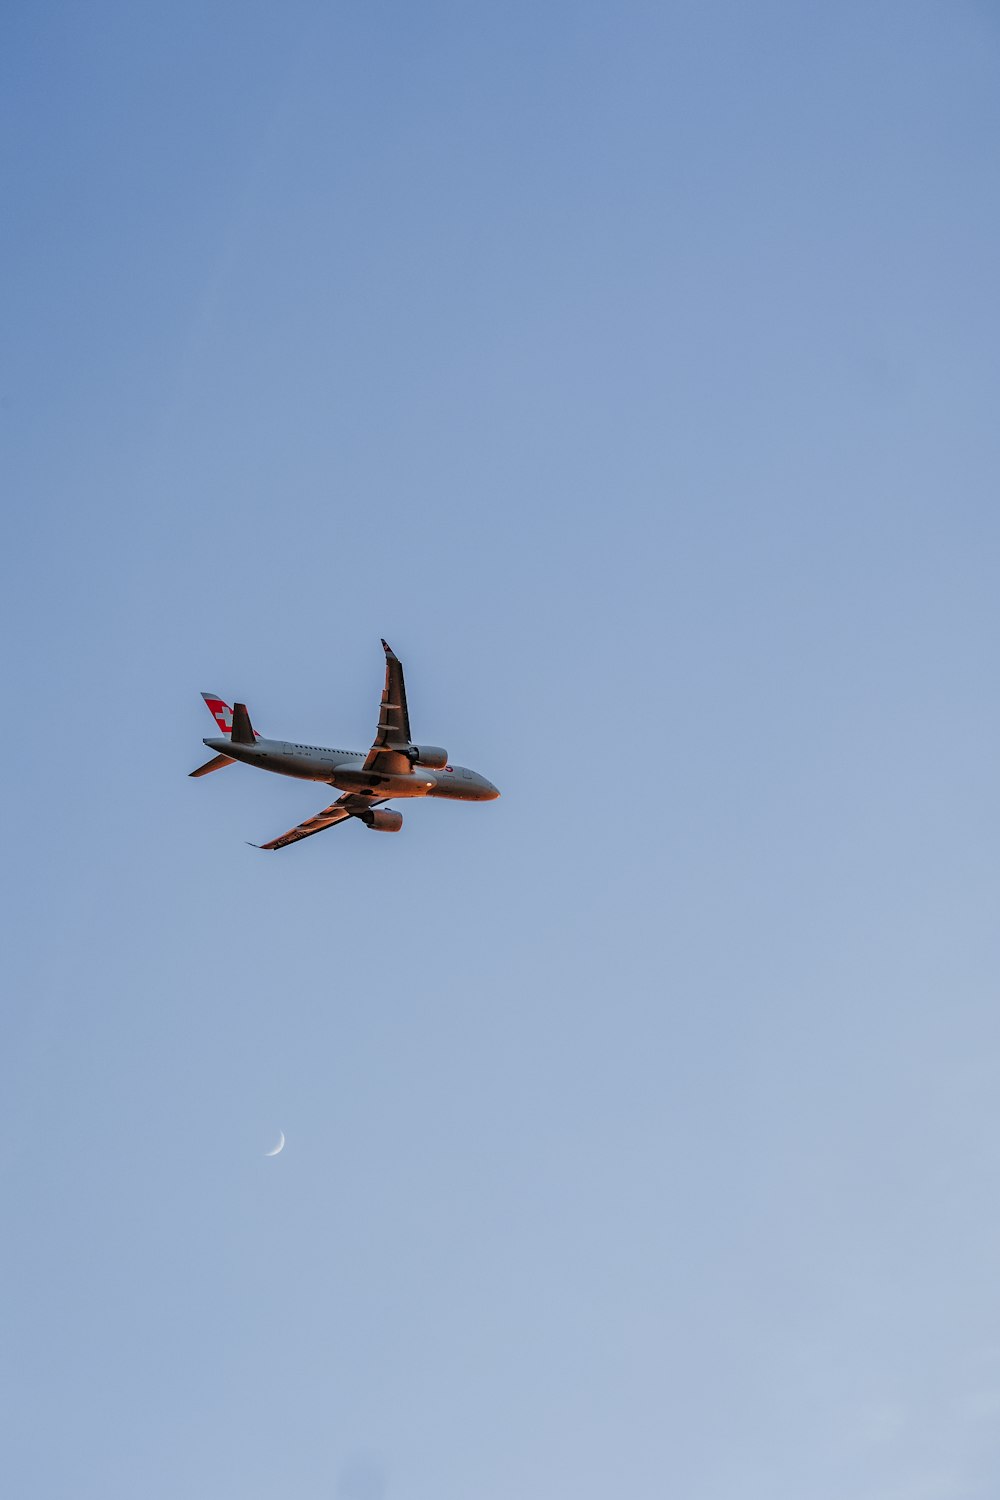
x: 223, y: 714
x: 220, y: 711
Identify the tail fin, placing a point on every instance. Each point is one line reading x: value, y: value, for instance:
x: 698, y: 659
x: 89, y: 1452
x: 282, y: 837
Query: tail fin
x: 221, y: 712
x: 213, y: 765
x: 243, y: 730
x: 223, y: 716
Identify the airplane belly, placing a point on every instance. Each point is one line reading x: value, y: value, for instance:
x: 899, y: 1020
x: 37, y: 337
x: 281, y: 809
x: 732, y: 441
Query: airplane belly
x: 350, y: 780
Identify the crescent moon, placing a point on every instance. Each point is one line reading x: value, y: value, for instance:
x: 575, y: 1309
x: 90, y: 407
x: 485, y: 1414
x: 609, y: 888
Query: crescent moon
x: 279, y: 1147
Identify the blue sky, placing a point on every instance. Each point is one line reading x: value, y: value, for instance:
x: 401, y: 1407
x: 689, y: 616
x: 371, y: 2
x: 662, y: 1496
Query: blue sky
x: 632, y: 368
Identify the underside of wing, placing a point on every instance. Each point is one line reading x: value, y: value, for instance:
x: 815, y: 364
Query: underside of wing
x: 350, y: 805
x: 393, y: 733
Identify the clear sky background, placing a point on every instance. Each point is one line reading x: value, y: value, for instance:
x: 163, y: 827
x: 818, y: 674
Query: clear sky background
x: 633, y: 369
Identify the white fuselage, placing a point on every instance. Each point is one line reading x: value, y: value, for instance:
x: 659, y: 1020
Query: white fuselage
x: 344, y: 769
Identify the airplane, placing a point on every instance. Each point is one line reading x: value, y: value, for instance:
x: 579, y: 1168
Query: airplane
x: 393, y: 767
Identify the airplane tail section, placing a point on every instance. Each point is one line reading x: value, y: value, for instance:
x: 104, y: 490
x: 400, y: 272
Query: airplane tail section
x: 235, y: 722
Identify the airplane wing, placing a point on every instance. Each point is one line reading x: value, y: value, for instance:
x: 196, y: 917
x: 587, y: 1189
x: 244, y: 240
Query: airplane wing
x: 393, y: 732
x: 347, y: 806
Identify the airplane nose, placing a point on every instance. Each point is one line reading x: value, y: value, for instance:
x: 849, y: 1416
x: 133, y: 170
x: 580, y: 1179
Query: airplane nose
x: 490, y: 793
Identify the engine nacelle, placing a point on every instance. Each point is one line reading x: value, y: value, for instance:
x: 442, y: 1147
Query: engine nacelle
x: 431, y: 756
x: 383, y: 820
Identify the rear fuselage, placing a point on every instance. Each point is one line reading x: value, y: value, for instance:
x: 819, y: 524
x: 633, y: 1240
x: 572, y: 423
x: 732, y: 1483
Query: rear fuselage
x: 344, y: 769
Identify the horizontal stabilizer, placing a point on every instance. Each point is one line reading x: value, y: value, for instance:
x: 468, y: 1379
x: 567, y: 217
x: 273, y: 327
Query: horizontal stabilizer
x: 213, y: 765
x: 242, y: 728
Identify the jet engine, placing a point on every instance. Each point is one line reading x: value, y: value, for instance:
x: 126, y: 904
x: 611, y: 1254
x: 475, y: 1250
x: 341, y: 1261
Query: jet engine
x: 431, y: 756
x: 382, y: 820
